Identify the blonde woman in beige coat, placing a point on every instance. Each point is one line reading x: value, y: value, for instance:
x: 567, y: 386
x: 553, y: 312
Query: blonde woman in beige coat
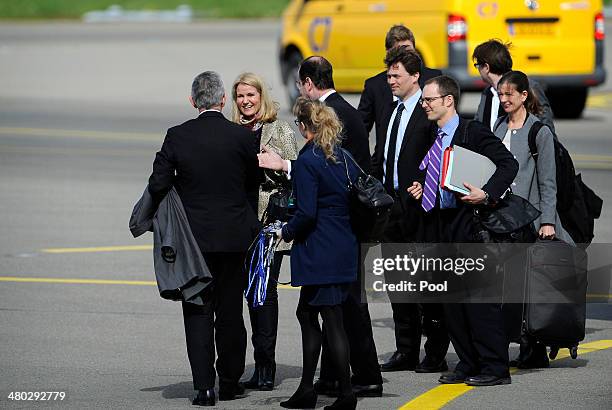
x: 253, y: 108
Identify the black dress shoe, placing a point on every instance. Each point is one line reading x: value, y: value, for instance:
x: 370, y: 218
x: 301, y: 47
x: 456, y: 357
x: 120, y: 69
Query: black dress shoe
x: 204, y: 398
x: 367, y: 390
x: 266, y: 377
x: 253, y: 382
x: 486, y: 380
x: 452, y: 378
x: 399, y: 361
x: 326, y: 387
x: 301, y: 399
x: 230, y: 392
x: 431, y: 366
x: 343, y: 403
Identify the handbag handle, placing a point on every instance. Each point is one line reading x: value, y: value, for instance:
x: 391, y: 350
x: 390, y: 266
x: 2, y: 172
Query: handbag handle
x: 345, y: 153
x: 348, y: 177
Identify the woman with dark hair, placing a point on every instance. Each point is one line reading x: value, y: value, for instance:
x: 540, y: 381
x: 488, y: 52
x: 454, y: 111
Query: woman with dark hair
x: 535, y: 181
x: 324, y: 252
x: 253, y: 108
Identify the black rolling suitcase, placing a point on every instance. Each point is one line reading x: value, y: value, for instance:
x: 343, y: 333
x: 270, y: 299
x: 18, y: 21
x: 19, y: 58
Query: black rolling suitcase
x: 554, y: 311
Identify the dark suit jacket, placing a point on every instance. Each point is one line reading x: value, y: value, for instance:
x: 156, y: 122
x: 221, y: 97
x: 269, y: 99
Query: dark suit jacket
x: 480, y: 139
x: 213, y: 164
x: 355, y: 137
x: 376, y: 97
x: 324, y: 247
x: 418, y: 138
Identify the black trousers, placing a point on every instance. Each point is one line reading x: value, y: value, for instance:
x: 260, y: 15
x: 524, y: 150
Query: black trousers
x: 358, y: 328
x: 479, y: 338
x: 411, y: 319
x: 264, y: 318
x: 218, y: 320
x: 476, y: 330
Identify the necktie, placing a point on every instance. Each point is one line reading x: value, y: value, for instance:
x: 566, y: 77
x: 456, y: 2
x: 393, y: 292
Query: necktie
x: 390, y: 160
x: 432, y: 163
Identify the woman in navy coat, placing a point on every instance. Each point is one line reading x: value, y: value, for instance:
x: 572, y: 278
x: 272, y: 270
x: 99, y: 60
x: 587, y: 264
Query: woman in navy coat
x: 324, y: 252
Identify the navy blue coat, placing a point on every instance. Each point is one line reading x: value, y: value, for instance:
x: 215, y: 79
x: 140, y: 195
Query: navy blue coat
x: 324, y: 247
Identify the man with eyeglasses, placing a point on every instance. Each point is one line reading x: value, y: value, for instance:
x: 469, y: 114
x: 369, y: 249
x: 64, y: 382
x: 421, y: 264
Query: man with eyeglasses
x: 492, y: 59
x: 476, y: 329
x: 397, y: 155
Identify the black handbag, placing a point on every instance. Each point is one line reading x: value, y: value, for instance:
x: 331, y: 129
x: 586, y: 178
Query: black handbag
x: 370, y: 204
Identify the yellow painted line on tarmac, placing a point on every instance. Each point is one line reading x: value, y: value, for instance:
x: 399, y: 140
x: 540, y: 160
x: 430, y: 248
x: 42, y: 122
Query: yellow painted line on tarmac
x: 106, y: 135
x: 443, y: 394
x: 76, y: 281
x: 99, y: 249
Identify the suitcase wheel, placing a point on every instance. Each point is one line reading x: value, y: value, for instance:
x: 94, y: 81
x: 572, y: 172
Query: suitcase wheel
x: 553, y: 352
x: 573, y: 352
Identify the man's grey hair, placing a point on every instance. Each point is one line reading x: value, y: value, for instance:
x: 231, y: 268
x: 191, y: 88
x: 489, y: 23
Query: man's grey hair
x: 207, y: 90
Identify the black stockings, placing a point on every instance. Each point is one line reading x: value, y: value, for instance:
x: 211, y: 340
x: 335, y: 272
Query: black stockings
x: 308, y: 316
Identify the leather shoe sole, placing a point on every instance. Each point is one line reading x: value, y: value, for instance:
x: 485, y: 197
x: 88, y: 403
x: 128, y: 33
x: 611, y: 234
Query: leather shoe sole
x: 485, y: 380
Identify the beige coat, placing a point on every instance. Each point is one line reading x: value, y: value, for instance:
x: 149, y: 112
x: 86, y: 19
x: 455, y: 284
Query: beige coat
x: 278, y: 136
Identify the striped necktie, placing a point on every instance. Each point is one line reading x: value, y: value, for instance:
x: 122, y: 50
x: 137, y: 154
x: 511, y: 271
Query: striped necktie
x: 432, y: 163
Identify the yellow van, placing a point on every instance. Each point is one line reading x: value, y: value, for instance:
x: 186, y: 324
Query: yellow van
x: 559, y: 43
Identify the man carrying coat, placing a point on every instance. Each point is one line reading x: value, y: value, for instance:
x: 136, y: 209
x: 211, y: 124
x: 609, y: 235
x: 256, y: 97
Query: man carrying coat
x: 213, y: 166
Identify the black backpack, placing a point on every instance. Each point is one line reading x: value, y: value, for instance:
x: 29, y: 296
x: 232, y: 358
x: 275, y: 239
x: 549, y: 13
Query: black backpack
x: 577, y: 205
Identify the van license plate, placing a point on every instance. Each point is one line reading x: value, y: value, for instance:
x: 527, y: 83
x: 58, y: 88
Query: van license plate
x: 531, y: 29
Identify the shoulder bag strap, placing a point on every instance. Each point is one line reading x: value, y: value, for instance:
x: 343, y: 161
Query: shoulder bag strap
x: 531, y: 138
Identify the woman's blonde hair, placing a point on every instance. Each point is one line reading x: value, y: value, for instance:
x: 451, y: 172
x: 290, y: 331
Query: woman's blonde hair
x: 322, y: 121
x: 269, y: 108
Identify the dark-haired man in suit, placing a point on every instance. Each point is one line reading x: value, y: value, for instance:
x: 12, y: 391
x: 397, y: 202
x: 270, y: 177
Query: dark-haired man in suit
x: 213, y: 166
x: 316, y: 83
x: 375, y: 104
x: 492, y: 59
x: 397, y: 155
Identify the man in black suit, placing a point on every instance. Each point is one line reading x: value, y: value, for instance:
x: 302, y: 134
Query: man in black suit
x: 316, y: 82
x: 476, y: 329
x: 376, y: 98
x: 492, y: 59
x: 397, y: 155
x: 213, y: 165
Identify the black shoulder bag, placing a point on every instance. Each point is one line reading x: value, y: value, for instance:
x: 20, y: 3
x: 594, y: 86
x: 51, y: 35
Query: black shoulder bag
x: 370, y: 204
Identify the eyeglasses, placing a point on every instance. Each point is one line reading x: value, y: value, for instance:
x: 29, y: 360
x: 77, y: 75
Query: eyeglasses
x: 477, y: 66
x: 298, y: 84
x: 297, y: 122
x: 429, y: 100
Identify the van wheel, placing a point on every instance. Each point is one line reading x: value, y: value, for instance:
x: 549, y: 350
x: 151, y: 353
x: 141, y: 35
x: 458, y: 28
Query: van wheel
x: 293, y: 61
x: 567, y: 102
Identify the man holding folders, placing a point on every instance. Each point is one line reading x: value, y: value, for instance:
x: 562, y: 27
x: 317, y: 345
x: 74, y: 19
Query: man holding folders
x: 476, y: 330
x: 397, y: 155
